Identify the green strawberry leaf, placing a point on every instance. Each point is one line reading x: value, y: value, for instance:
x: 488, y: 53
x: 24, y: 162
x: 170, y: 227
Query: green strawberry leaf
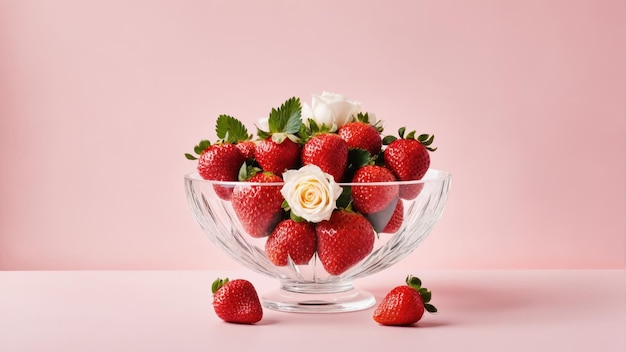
x: 345, y: 198
x: 287, y: 118
x: 426, y: 296
x: 430, y: 308
x: 388, y: 139
x: 358, y: 157
x: 295, y: 217
x: 401, y: 131
x: 231, y: 130
x: 363, y: 117
x: 247, y: 171
x: 198, y: 149
x: 190, y: 157
x: 262, y: 134
x: 218, y: 283
x: 414, y: 282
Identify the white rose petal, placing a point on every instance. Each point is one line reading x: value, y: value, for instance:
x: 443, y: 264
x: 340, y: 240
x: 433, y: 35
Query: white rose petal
x: 332, y: 110
x: 311, y: 193
x: 263, y: 124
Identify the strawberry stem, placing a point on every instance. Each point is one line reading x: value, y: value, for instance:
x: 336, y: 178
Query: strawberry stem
x: 218, y: 283
x: 416, y: 283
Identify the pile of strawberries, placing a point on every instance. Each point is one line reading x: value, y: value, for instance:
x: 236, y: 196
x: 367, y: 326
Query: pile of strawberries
x: 356, y: 152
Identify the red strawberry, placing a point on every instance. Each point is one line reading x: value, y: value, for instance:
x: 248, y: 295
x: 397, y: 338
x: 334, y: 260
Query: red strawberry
x: 409, y: 159
x: 291, y: 239
x: 372, y: 199
x: 279, y: 149
x: 218, y: 162
x: 389, y: 219
x: 343, y: 241
x: 222, y: 160
x: 247, y: 149
x: 258, y: 207
x: 236, y: 301
x: 277, y: 157
x: 404, y: 305
x: 329, y: 152
x: 362, y: 135
x: 396, y: 218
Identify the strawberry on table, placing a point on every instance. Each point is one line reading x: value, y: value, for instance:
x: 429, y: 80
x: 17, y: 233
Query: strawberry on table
x: 236, y: 301
x: 279, y: 148
x: 291, y: 239
x: 343, y: 241
x: 372, y: 199
x: 409, y: 159
x: 361, y: 134
x: 404, y: 305
x: 326, y: 150
x: 258, y: 207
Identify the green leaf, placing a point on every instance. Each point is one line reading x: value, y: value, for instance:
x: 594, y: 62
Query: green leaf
x: 401, y: 131
x: 198, y: 149
x: 262, y: 134
x: 295, y: 217
x: 426, y: 296
x: 363, y: 117
x: 190, y: 157
x: 414, y: 282
x: 247, y: 171
x: 411, y: 135
x: 430, y: 308
x: 304, y: 133
x: 388, y: 139
x: 287, y: 118
x: 218, y: 283
x: 231, y: 130
x: 358, y: 157
x: 345, y: 198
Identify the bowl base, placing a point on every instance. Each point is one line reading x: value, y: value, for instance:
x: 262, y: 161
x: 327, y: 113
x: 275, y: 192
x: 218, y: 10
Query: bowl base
x: 337, y: 302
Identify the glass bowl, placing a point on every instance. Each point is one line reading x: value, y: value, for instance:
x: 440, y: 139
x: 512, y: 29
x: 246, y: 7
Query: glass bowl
x: 309, y: 287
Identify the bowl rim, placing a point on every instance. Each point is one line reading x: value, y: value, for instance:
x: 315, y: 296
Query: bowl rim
x: 431, y: 176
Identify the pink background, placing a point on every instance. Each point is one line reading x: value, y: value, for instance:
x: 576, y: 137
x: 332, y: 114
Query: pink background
x: 100, y: 99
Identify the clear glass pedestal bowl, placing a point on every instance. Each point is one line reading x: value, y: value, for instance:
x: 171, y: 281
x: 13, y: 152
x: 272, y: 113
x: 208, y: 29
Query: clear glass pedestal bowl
x: 309, y: 288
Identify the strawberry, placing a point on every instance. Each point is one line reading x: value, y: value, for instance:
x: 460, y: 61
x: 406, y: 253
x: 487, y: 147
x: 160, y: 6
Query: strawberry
x: 396, y: 218
x: 236, y: 301
x: 409, y: 159
x: 247, y: 148
x: 279, y: 148
x: 361, y: 134
x: 329, y: 152
x: 219, y: 162
x: 276, y: 157
x: 222, y: 160
x: 372, y: 199
x: 258, y: 207
x: 291, y: 239
x: 343, y: 241
x: 389, y: 219
x: 404, y: 305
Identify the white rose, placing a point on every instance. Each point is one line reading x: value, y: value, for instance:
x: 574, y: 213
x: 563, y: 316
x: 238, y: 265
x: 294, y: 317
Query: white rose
x: 263, y: 124
x: 330, y: 109
x: 311, y: 193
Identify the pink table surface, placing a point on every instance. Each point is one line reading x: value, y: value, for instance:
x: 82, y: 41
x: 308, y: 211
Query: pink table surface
x: 497, y: 310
